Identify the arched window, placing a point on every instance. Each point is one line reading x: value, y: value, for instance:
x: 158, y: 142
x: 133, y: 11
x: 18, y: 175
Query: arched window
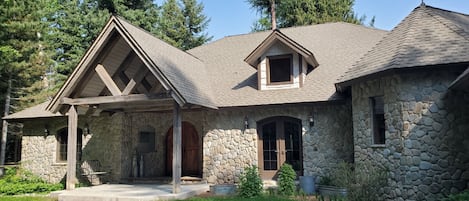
x: 62, y: 143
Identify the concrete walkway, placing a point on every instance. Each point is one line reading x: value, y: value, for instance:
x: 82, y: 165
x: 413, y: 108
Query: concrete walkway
x: 127, y: 192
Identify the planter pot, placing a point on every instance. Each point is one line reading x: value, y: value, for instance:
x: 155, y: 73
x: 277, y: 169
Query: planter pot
x: 332, y: 191
x: 223, y: 189
x: 307, y: 184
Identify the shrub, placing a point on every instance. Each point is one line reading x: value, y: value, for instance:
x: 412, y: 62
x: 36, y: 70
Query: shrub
x: 250, y: 183
x: 463, y: 196
x: 18, y: 181
x: 286, y: 180
x: 363, y: 181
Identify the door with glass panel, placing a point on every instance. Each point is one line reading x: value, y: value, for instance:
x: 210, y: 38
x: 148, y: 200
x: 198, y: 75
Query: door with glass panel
x: 279, y: 142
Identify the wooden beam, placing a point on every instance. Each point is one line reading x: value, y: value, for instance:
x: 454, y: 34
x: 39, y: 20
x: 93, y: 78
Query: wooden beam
x: 107, y: 79
x: 141, y: 73
x: 72, y: 148
x: 177, y: 148
x: 115, y: 99
x: 126, y: 79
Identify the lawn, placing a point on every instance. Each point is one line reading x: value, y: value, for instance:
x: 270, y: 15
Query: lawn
x: 26, y: 198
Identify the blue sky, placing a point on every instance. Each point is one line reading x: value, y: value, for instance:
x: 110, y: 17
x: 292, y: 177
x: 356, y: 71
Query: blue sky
x: 232, y: 17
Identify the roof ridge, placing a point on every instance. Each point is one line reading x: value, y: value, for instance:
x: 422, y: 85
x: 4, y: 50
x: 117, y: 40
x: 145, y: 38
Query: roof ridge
x: 119, y: 18
x: 454, y: 28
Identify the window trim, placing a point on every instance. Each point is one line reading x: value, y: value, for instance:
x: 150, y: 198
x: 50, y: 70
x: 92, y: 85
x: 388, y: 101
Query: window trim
x: 374, y: 123
x: 268, y: 58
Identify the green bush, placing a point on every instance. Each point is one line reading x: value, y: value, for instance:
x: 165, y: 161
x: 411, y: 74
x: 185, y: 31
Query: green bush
x: 363, y: 181
x: 463, y: 196
x: 286, y: 180
x: 250, y: 183
x: 18, y: 181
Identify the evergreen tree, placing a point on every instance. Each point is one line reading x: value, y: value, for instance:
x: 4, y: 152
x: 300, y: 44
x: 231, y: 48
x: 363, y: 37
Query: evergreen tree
x: 22, y: 57
x: 183, y: 25
x: 296, y: 13
x: 171, y: 24
x: 195, y: 23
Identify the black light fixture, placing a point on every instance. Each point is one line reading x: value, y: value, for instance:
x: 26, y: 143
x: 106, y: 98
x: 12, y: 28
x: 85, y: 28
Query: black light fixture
x: 87, y: 129
x: 311, y: 120
x: 246, y: 122
x: 46, y: 130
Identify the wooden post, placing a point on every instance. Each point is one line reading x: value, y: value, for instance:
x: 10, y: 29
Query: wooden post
x: 177, y: 148
x: 72, y: 148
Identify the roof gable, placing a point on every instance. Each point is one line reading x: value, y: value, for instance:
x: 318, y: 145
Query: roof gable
x: 275, y: 37
x: 426, y: 37
x: 179, y: 73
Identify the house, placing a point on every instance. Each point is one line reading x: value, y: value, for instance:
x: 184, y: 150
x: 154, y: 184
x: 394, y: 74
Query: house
x: 311, y: 96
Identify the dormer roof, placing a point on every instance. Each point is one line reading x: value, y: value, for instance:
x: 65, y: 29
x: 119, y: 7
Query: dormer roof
x: 274, y: 37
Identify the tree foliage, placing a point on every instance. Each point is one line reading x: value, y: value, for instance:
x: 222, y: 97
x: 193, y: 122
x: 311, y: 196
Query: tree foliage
x: 304, y: 12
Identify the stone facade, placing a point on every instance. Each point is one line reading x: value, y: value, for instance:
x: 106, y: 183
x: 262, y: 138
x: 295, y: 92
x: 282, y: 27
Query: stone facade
x: 427, y: 142
x: 227, y: 147
x: 39, y: 151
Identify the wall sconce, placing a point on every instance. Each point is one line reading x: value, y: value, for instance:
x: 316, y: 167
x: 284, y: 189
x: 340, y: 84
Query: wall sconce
x: 246, y: 122
x: 46, y: 130
x: 311, y: 120
x: 86, y: 130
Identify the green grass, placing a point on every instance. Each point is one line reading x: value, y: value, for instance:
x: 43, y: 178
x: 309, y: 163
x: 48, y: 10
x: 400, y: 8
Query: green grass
x: 262, y: 198
x: 26, y: 198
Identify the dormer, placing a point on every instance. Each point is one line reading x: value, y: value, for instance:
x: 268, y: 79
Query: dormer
x: 281, y: 63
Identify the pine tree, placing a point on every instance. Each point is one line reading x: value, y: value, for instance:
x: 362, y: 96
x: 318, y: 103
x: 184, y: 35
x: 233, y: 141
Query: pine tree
x: 22, y: 56
x: 171, y: 24
x: 296, y: 13
x: 195, y: 23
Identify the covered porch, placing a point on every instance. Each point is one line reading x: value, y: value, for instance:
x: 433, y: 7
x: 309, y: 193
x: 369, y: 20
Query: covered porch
x: 125, y: 72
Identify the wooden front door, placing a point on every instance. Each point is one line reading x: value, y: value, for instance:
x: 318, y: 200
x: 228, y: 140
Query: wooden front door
x: 279, y: 142
x: 190, y: 151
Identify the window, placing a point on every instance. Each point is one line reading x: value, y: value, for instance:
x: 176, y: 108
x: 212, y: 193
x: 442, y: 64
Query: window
x: 62, y: 142
x: 280, y: 69
x: 146, y: 140
x: 377, y: 116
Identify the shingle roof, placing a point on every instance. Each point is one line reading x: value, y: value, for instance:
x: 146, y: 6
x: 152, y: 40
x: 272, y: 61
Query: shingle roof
x: 184, y: 71
x: 181, y: 71
x: 335, y: 46
x: 37, y: 111
x: 427, y: 36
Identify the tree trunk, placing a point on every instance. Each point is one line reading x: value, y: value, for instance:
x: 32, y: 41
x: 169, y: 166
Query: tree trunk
x: 272, y: 13
x: 5, y: 129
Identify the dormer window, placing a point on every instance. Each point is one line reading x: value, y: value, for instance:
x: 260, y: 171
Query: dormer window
x: 280, y: 69
x: 281, y: 62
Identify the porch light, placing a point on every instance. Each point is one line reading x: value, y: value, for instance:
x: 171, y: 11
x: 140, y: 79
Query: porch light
x: 87, y: 129
x: 246, y: 122
x: 311, y: 120
x: 46, y: 130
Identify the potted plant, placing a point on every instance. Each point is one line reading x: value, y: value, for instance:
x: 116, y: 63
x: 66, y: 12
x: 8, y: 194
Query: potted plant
x: 336, y: 183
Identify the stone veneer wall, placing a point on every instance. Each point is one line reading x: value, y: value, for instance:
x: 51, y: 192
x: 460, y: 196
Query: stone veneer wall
x: 228, y: 148
x: 427, y: 143
x: 39, y: 152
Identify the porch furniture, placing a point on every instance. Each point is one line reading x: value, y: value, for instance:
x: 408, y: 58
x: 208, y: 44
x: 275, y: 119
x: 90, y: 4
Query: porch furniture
x: 93, y: 169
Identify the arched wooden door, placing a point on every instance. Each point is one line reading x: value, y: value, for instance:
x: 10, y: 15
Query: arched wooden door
x: 190, y: 151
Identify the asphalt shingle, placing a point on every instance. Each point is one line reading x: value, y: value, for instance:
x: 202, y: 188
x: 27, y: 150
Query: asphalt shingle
x: 427, y: 36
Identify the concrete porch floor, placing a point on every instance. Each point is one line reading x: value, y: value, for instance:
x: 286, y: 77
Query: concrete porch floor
x: 130, y: 192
